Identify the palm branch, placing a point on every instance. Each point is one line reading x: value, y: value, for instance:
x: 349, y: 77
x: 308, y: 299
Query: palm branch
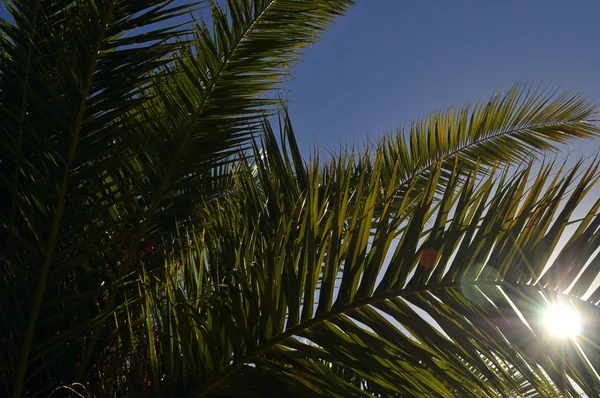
x: 298, y: 286
x: 112, y: 116
x: 511, y: 127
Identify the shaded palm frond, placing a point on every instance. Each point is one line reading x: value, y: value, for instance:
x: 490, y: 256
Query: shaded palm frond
x: 66, y: 77
x: 113, y: 115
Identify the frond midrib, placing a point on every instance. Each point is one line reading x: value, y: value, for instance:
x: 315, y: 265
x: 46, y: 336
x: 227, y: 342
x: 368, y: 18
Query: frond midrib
x: 221, y: 376
x: 490, y: 137
x: 64, y: 186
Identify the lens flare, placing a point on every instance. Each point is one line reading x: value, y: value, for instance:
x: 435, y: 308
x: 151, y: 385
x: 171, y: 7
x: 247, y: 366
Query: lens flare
x: 562, y: 320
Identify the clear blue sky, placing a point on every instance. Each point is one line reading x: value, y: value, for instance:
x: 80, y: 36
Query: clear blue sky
x: 391, y: 61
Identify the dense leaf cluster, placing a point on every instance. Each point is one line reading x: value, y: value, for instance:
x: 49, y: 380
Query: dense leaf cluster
x: 158, y: 238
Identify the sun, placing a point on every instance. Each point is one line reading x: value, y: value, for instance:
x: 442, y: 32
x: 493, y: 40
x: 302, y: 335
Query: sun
x: 561, y: 320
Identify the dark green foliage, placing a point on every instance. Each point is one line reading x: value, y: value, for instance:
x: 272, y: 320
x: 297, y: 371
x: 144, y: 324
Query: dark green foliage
x: 158, y: 239
x: 112, y: 124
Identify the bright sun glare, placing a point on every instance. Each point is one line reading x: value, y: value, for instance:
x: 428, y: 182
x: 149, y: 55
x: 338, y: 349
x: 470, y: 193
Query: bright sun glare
x: 562, y: 321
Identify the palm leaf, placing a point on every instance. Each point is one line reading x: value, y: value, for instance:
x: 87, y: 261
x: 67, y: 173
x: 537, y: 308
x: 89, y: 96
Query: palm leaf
x: 508, y: 128
x: 439, y: 298
x: 60, y: 63
x: 211, y: 104
x: 117, y: 120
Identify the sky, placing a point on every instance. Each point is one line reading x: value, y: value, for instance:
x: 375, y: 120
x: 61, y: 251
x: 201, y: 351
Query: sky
x: 389, y: 62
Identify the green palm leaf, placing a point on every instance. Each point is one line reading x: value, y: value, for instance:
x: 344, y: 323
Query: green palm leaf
x: 109, y: 123
x: 508, y: 128
x: 59, y: 65
x: 307, y: 287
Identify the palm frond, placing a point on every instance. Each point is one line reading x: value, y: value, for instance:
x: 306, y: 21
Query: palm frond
x: 149, y: 239
x: 441, y: 299
x: 211, y: 104
x: 112, y: 117
x: 509, y: 128
x: 59, y: 97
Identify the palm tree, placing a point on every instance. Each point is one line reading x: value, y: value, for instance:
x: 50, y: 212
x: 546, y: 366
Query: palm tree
x: 114, y: 121
x: 158, y: 239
